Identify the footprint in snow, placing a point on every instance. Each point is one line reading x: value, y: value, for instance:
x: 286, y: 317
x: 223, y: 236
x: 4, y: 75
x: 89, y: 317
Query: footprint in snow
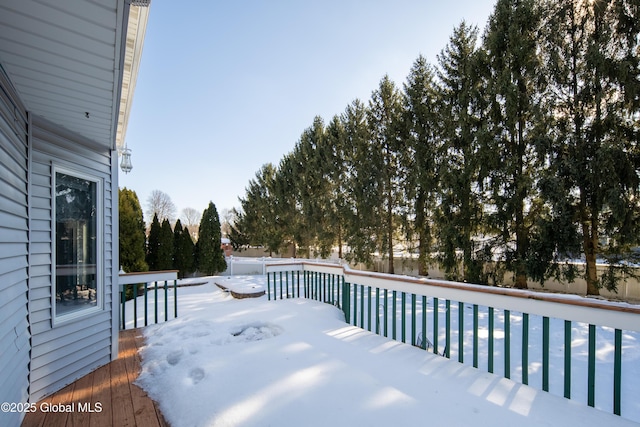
x: 196, y: 375
x: 174, y: 357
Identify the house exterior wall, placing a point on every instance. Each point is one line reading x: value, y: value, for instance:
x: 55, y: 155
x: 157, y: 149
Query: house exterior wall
x: 62, y: 352
x: 14, y: 251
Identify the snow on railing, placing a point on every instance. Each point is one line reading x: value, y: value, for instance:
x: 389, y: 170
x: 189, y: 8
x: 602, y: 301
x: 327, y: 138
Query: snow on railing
x: 569, y: 345
x: 147, y: 284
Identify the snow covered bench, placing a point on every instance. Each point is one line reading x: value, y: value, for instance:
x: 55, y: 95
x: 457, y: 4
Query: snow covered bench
x: 240, y: 288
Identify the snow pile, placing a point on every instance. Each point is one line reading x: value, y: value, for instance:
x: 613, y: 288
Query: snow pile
x: 253, y: 362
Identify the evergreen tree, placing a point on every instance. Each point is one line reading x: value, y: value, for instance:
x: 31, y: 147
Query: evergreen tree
x: 183, y: 259
x: 384, y: 118
x: 132, y: 237
x: 362, y: 198
x: 336, y: 177
x: 257, y: 221
x: 153, y: 244
x: 516, y: 126
x: 591, y: 51
x: 210, y: 256
x: 287, y: 206
x: 165, y: 247
x: 420, y: 159
x: 463, y: 162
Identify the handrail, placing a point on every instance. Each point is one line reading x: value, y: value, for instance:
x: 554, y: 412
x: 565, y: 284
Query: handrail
x: 568, y: 307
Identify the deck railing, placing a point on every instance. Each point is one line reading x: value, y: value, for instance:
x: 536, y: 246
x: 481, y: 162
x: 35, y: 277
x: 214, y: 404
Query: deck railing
x: 156, y: 288
x: 472, y: 322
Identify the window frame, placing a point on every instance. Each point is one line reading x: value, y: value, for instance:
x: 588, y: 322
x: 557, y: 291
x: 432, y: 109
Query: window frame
x: 57, y: 318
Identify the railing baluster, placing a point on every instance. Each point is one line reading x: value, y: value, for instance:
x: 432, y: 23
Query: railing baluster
x: 386, y: 309
x: 617, y: 372
x: 175, y: 298
x: 591, y: 370
x: 378, y: 311
x: 545, y: 353
x: 424, y: 322
x: 155, y: 303
x: 490, y: 343
x: 146, y: 286
x: 135, y: 306
x: 413, y: 319
x: 369, y: 309
x: 447, y: 322
x: 166, y: 301
x: 362, y: 306
x: 355, y: 304
x: 394, y: 318
x: 403, y: 313
x: 507, y: 343
x: 435, y: 325
x: 567, y: 359
x: 525, y: 348
x: 475, y: 335
x: 461, y: 332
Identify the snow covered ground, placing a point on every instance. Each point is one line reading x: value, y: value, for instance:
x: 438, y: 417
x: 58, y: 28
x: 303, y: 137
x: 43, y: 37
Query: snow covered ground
x: 253, y: 362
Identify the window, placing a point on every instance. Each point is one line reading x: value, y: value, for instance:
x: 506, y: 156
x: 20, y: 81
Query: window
x: 78, y: 276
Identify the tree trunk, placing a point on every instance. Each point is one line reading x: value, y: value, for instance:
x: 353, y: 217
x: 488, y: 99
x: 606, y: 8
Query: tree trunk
x: 590, y: 245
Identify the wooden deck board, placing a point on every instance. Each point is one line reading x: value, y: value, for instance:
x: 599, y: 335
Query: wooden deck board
x: 106, y: 397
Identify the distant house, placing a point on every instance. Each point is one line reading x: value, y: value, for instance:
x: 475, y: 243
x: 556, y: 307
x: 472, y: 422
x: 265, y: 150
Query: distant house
x: 67, y: 74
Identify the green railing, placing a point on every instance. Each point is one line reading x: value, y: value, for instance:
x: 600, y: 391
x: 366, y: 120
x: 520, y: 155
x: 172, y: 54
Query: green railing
x: 156, y: 289
x: 471, y: 322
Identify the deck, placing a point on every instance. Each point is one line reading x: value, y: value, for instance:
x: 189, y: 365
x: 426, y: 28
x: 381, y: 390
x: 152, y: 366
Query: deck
x: 108, y: 391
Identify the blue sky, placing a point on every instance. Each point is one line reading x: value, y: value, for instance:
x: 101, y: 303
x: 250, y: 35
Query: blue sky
x: 227, y: 86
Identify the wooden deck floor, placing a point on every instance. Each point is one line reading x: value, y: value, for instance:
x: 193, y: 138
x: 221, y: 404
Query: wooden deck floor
x: 122, y: 403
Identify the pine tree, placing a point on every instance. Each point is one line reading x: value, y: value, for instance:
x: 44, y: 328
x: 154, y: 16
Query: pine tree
x: 419, y: 161
x: 384, y: 118
x: 153, y: 244
x: 132, y: 237
x: 165, y: 247
x: 462, y: 160
x: 210, y: 256
x: 514, y: 89
x: 257, y: 221
x: 362, y: 198
x: 336, y: 177
x: 183, y: 259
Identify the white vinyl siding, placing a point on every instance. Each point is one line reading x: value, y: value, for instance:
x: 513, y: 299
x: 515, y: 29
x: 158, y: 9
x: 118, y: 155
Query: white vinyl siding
x: 64, y: 352
x: 14, y: 252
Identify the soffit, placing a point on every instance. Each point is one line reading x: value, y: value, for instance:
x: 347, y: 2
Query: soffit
x: 65, y: 59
